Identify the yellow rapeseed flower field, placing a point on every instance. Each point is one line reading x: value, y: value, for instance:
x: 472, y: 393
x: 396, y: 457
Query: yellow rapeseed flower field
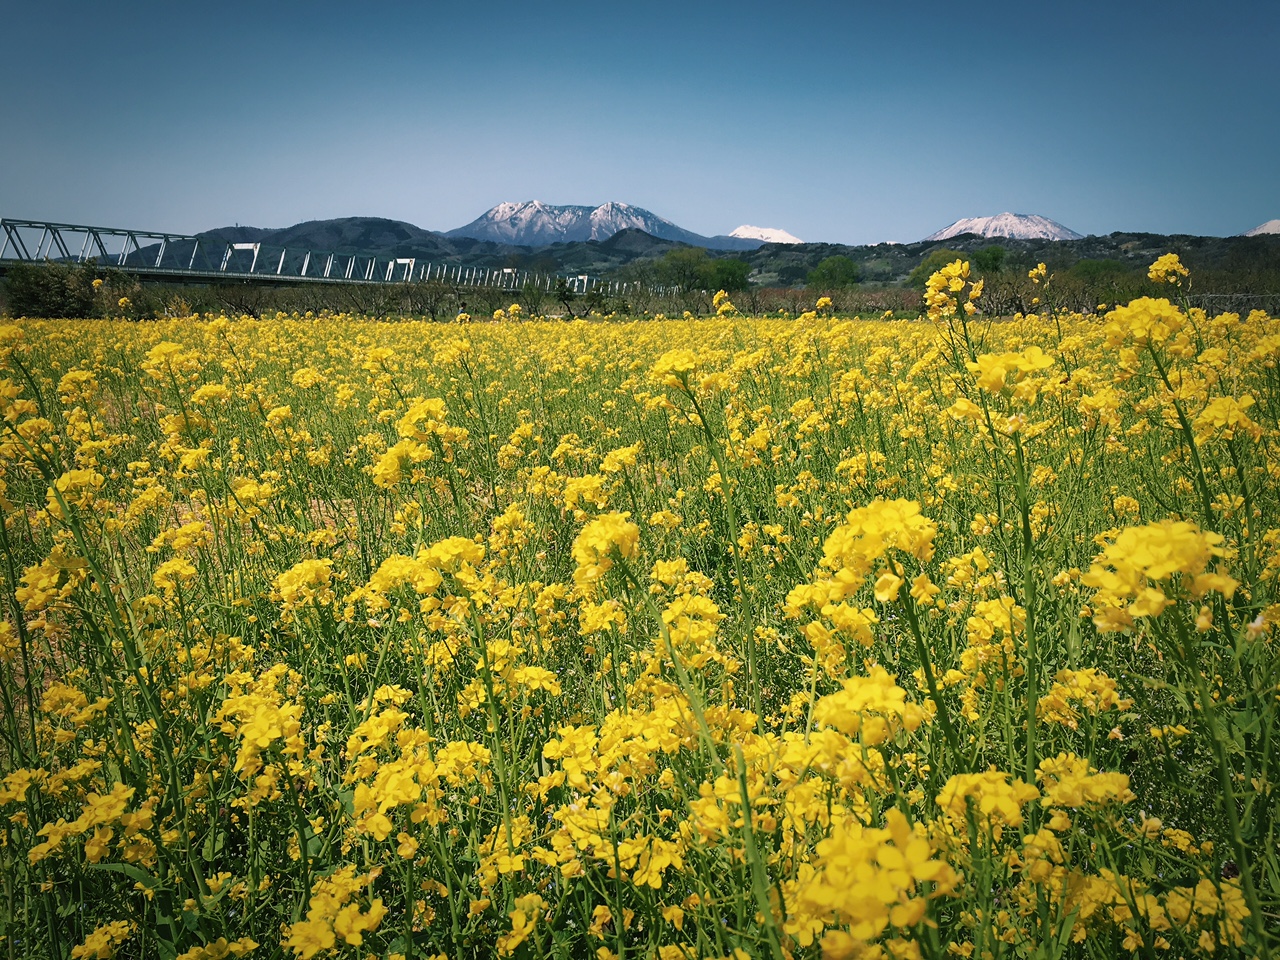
x: 728, y: 638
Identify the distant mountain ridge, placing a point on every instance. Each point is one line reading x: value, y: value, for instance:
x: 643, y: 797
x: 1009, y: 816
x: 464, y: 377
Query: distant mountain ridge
x: 1271, y: 226
x: 1014, y: 226
x: 381, y: 237
x: 629, y: 253
x: 533, y: 223
x: 386, y: 238
x: 346, y: 234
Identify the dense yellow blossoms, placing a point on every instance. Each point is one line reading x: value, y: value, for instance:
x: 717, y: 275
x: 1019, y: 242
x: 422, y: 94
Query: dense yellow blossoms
x: 996, y: 371
x: 601, y: 540
x: 992, y: 798
x: 870, y: 708
x: 1131, y: 572
x: 1143, y: 321
x: 870, y: 880
x: 741, y: 638
x: 858, y: 545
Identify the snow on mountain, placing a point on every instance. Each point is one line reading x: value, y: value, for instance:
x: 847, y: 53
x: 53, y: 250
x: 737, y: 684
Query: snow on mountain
x: 1271, y: 226
x: 608, y: 218
x: 534, y: 223
x: 1015, y: 226
x: 767, y: 234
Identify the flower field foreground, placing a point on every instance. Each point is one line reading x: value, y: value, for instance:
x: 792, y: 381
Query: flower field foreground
x: 729, y: 638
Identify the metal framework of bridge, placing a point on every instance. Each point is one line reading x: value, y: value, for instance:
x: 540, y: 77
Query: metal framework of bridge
x: 158, y: 255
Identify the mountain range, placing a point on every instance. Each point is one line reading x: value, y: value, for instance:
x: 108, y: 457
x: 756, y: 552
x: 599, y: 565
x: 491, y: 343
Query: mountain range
x: 533, y: 225
x: 631, y: 252
x: 537, y: 224
x: 534, y: 233
x: 615, y: 237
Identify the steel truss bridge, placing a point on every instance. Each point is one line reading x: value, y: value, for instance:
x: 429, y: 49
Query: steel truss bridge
x: 180, y: 258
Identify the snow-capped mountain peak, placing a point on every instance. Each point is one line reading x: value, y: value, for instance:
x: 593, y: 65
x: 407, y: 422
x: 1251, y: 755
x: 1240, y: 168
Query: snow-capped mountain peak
x: 767, y: 234
x: 1271, y: 226
x: 608, y: 218
x: 1015, y: 226
x: 534, y: 223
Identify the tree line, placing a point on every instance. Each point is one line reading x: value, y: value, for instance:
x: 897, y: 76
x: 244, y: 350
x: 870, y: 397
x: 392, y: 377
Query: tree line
x: 682, y: 280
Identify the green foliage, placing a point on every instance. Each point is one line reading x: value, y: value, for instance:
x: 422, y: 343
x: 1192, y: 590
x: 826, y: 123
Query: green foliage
x: 729, y: 274
x: 684, y: 268
x: 692, y: 268
x: 833, y: 273
x: 931, y: 264
x: 792, y: 274
x: 50, y: 290
x: 989, y: 260
x: 538, y: 261
x: 1098, y: 270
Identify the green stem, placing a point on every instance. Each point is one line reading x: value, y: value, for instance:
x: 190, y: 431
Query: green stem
x: 1226, y: 782
x: 753, y: 677
x: 931, y: 682
x: 1029, y: 600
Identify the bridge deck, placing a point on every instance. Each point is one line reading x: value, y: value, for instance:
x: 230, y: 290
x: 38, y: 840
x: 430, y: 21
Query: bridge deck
x: 183, y: 258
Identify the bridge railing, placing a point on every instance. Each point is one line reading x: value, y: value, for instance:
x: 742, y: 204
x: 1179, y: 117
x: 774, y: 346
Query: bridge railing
x: 147, y: 252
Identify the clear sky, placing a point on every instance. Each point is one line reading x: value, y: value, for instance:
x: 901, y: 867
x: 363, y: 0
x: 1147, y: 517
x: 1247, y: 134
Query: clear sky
x: 845, y: 122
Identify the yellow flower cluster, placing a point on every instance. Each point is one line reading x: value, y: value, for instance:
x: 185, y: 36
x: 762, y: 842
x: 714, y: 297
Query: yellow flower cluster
x: 1088, y: 691
x: 996, y: 372
x: 1142, y: 570
x: 1168, y: 269
x: 601, y: 541
x: 1147, y: 320
x: 943, y: 287
x: 870, y: 708
x: 333, y: 915
x: 871, y: 879
x: 306, y: 582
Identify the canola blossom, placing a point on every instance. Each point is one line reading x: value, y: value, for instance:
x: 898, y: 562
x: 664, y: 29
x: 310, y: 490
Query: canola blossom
x: 733, y: 638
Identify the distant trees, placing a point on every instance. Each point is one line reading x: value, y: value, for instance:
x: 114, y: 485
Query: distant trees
x: 833, y: 273
x: 50, y: 290
x: 690, y: 276
x: 255, y: 299
x: 684, y: 268
x: 1229, y: 275
x: 534, y: 297
x: 789, y: 274
x: 536, y: 262
x: 565, y: 295
x: 1100, y: 271
x: 692, y: 268
x: 989, y: 260
x: 1089, y: 282
x: 728, y: 274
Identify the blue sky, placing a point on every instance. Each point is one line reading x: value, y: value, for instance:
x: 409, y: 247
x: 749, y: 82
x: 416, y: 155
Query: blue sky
x: 843, y: 122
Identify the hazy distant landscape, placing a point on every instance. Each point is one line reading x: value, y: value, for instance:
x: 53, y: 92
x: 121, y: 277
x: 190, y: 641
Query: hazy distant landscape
x: 605, y: 239
x: 645, y: 264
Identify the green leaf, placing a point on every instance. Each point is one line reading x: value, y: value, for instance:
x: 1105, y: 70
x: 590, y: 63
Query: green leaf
x: 130, y: 871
